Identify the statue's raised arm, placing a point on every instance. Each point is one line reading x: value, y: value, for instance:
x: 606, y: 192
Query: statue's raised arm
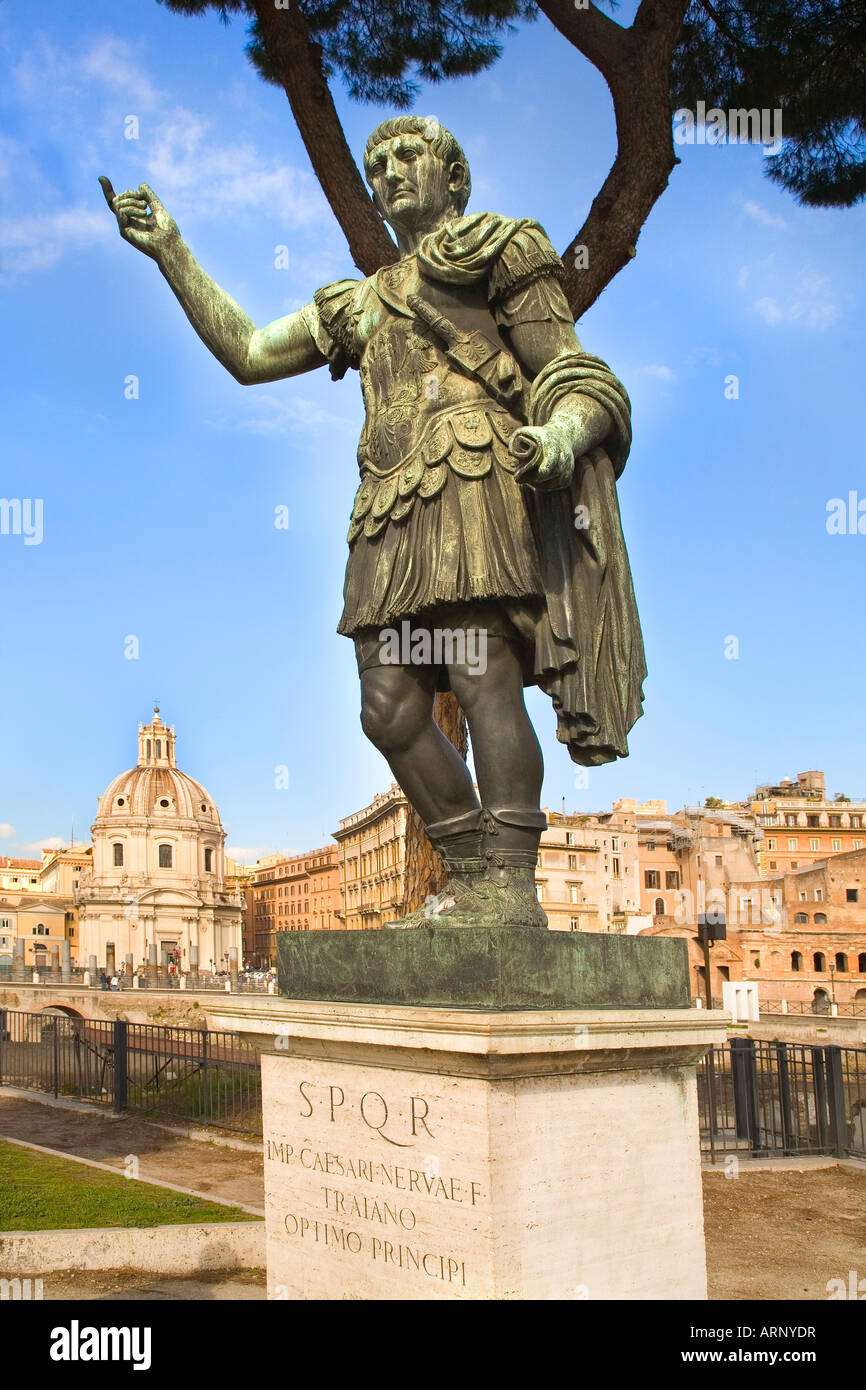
x: 284, y: 348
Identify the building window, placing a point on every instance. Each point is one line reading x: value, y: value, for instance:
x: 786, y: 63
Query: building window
x: 118, y: 856
x: 614, y: 844
x: 616, y: 868
x: 835, y: 822
x: 819, y: 895
x: 856, y: 822
x: 792, y: 843
x: 718, y: 861
x: 796, y: 960
x: 208, y: 862
x: 158, y: 748
x: 814, y: 844
x: 165, y: 856
x: 790, y: 820
x: 819, y: 962
x: 820, y: 919
x: 572, y: 861
x: 837, y: 845
x: 795, y: 864
x: 857, y: 844
x: 842, y: 962
x: 771, y: 843
x: 575, y: 924
x: 813, y: 822
x: 850, y: 895
x: 569, y: 837
x: 574, y: 893
x: 652, y: 878
x: 539, y: 891
x: 772, y: 863
x: 800, y: 918
x: 861, y: 962
x: 659, y: 907
x: 672, y: 878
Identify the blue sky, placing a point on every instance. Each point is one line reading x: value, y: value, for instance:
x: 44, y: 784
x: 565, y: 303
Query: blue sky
x: 158, y: 512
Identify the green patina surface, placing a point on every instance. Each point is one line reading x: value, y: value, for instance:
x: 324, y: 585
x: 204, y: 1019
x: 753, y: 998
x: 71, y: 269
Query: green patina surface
x: 485, y: 968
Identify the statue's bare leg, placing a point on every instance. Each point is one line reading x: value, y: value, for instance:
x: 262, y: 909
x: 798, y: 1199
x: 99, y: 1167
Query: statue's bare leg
x: 397, y: 716
x: 510, y: 770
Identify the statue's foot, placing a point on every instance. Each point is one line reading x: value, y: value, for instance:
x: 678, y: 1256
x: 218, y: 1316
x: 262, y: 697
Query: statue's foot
x: 463, y: 902
x: 513, y: 898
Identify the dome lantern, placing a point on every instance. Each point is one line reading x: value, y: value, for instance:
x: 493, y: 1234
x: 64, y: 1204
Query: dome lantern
x: 156, y: 743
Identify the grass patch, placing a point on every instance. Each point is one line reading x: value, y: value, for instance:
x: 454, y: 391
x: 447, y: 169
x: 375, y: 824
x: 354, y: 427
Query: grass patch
x: 39, y: 1192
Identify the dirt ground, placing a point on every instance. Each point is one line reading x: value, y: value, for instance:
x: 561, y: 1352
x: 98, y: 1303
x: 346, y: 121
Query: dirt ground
x: 119, y: 1285
x: 209, y: 1168
x: 775, y: 1234
x: 783, y: 1233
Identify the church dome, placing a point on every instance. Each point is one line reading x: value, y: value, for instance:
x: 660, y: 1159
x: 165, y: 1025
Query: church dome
x: 156, y: 788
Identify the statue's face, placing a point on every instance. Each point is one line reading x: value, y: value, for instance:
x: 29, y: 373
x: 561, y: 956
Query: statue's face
x: 411, y: 185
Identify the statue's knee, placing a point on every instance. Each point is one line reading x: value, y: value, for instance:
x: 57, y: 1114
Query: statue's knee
x: 392, y: 723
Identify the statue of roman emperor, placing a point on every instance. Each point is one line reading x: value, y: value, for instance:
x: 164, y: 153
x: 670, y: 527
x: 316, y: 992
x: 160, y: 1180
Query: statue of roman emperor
x: 486, y: 523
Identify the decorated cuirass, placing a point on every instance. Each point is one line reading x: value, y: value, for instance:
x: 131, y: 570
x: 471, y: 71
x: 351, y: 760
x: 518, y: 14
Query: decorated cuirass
x: 424, y: 414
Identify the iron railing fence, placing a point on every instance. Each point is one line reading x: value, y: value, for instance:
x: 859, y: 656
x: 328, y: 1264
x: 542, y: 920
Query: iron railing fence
x: 755, y: 1098
x: 199, y: 1075
x: 159, y: 978
x: 853, y: 1009
x: 778, y: 1099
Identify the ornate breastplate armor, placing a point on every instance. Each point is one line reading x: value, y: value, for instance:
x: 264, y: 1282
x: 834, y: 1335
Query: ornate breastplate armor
x: 424, y: 415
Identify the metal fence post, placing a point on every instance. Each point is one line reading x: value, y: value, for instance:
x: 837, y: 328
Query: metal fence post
x: 786, y: 1113
x: 819, y: 1082
x: 836, y: 1100
x: 120, y: 1065
x: 205, y: 1090
x: 745, y: 1079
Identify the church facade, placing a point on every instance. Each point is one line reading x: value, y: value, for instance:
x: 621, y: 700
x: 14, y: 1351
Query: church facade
x: 159, y: 875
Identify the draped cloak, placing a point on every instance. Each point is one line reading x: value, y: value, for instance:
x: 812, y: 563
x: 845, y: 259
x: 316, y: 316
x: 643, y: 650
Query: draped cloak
x: 439, y: 519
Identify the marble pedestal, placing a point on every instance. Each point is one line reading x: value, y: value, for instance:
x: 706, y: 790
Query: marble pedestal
x: 460, y: 1153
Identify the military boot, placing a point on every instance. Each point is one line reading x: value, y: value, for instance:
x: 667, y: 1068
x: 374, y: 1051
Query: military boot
x: 511, y: 839
x: 465, y: 899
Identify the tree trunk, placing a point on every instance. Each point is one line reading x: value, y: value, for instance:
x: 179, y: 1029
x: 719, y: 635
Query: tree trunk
x: 636, y: 64
x: 296, y: 61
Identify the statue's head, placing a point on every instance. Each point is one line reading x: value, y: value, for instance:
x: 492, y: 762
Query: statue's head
x: 416, y: 170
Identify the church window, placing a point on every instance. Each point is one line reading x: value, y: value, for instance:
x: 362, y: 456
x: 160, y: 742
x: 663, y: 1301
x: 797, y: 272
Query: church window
x: 164, y: 803
x: 118, y: 856
x: 147, y: 746
x: 208, y: 861
x: 165, y: 856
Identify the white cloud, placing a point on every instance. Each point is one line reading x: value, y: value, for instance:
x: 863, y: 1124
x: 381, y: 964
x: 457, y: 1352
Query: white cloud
x: 6, y: 830
x: 808, y: 304
x: 188, y: 171
x: 112, y: 62
x: 92, y: 88
x: 762, y: 216
x: 251, y: 854
x: 272, y: 415
x: 35, y: 848
x: 659, y: 370
x: 38, y: 242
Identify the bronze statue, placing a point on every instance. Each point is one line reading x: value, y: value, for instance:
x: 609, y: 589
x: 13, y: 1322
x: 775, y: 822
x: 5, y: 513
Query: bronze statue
x: 485, y: 546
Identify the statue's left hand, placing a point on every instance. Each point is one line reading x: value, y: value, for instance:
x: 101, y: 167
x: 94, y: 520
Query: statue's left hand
x: 544, y: 454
